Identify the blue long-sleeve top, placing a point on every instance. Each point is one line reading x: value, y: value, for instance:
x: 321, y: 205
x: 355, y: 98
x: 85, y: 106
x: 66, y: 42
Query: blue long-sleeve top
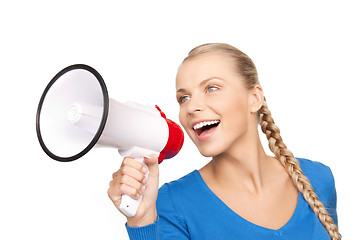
x: 188, y: 209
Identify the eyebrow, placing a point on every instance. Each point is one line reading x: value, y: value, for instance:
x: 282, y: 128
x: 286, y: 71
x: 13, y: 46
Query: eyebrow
x: 201, y: 83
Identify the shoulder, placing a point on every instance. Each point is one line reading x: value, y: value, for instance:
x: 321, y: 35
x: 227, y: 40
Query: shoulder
x: 316, y: 172
x: 183, y: 195
x: 181, y: 187
x: 322, y: 180
x: 177, y: 199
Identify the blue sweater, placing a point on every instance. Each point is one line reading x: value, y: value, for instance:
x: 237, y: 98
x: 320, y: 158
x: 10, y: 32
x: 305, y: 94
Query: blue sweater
x: 188, y: 209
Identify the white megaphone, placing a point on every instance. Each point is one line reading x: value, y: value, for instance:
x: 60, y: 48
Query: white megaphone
x: 75, y: 114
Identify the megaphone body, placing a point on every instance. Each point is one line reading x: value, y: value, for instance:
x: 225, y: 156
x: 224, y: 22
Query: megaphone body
x: 75, y: 114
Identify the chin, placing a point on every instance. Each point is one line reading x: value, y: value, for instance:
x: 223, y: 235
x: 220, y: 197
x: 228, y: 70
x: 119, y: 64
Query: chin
x: 209, y: 151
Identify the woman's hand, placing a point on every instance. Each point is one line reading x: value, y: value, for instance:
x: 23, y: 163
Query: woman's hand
x: 130, y: 179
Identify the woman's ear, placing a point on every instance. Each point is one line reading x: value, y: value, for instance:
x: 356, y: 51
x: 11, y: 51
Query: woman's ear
x: 256, y: 99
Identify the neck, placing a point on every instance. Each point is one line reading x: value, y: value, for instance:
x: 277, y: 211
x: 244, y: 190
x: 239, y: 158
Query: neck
x: 245, y: 166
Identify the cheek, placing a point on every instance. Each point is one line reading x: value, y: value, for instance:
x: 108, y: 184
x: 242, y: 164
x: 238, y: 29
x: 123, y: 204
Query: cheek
x: 181, y: 117
x: 235, y: 115
x: 183, y: 120
x: 230, y: 105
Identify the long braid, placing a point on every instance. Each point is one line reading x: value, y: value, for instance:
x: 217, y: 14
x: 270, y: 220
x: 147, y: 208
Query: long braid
x: 291, y: 164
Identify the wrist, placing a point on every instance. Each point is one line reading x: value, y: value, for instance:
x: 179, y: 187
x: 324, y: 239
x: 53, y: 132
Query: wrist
x: 149, y: 218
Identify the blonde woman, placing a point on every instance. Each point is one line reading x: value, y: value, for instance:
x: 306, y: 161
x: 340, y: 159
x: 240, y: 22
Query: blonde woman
x: 242, y: 193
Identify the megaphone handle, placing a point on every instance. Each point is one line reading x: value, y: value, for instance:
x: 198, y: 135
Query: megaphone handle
x: 129, y: 206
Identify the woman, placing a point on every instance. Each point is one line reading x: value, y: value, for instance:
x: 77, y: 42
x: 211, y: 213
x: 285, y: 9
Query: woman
x: 242, y: 193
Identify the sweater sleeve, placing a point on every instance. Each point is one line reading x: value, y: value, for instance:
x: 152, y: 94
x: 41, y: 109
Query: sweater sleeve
x: 169, y: 224
x: 171, y: 221
x: 149, y: 232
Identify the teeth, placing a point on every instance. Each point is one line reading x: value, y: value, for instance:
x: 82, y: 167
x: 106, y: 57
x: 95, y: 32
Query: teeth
x: 202, y: 124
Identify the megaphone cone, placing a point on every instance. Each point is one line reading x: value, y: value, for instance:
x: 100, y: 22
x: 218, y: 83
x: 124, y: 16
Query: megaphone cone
x: 59, y: 107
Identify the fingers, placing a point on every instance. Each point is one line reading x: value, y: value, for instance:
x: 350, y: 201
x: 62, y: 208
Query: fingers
x: 135, y: 173
x: 129, y: 179
x: 130, y: 162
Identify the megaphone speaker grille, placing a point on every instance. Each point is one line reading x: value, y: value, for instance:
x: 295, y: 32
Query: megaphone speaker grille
x: 72, y: 113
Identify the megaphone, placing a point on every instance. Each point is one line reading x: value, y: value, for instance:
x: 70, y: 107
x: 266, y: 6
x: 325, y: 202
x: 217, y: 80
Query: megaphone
x: 75, y: 114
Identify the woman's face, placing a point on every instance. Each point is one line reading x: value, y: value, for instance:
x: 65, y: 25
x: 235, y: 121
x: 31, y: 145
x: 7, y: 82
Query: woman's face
x: 215, y: 106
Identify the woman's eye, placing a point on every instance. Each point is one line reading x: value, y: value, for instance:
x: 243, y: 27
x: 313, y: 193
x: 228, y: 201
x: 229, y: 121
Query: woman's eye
x: 212, y: 88
x: 183, y: 99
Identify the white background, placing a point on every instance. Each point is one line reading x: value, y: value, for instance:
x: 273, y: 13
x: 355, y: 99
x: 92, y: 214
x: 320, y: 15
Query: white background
x: 306, y: 54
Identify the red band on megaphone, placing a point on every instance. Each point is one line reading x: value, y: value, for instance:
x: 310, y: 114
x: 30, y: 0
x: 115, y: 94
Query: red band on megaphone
x: 175, y: 139
x: 162, y: 113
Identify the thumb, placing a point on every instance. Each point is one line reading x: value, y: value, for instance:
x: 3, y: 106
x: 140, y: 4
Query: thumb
x: 151, y: 191
x: 152, y: 163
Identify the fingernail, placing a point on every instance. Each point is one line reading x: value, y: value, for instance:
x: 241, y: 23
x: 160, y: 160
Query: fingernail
x: 144, y: 182
x: 144, y: 170
x: 147, y: 156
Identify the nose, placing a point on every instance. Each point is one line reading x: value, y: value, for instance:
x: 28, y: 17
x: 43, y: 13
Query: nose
x: 195, y: 105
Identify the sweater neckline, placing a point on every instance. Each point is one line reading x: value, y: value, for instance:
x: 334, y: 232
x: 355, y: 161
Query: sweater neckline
x: 242, y: 220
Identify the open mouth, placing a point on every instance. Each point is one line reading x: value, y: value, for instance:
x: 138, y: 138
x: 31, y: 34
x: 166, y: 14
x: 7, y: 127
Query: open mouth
x: 205, y: 126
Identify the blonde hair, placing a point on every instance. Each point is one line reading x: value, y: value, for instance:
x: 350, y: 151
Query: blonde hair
x: 246, y: 68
